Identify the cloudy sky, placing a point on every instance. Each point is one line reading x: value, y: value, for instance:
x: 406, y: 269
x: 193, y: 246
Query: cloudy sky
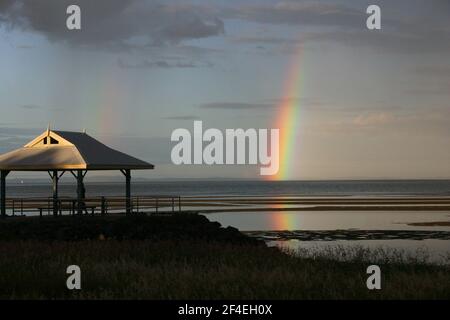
x: 372, y: 104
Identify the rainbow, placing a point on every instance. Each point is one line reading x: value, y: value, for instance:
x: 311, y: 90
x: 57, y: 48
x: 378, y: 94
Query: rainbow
x: 108, y: 98
x: 283, y: 220
x: 288, y: 118
x: 102, y: 96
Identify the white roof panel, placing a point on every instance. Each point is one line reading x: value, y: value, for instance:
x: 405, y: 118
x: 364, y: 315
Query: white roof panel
x: 64, y: 150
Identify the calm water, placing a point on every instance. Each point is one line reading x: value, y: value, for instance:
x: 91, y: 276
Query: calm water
x: 438, y: 250
x: 185, y: 188
x: 329, y: 220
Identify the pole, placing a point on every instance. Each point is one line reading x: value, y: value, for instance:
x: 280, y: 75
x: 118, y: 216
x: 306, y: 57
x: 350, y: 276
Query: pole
x: 128, y: 190
x: 80, y: 191
x: 3, y: 175
x: 55, y: 179
x: 103, y: 205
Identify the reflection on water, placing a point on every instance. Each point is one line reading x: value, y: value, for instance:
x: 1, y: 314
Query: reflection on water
x: 329, y: 220
x: 335, y: 220
x: 279, y: 220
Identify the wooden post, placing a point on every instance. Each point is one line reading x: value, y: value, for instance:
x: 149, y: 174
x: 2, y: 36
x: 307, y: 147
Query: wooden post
x: 128, y: 190
x: 55, y: 179
x: 103, y: 205
x: 3, y: 175
x: 80, y: 192
x: 137, y: 204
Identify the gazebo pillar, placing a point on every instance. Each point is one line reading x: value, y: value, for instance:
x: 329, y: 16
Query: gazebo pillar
x: 128, y: 189
x: 3, y: 175
x: 80, y: 191
x: 127, y: 174
x: 55, y: 179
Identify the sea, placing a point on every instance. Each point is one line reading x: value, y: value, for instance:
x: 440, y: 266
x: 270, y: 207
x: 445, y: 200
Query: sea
x: 33, y: 188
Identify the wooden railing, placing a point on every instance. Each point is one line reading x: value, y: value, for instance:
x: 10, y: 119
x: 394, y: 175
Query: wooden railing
x: 92, y: 205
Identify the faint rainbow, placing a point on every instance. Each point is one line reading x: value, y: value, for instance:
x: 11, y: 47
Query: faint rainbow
x: 105, y: 98
x: 108, y: 114
x: 287, y: 119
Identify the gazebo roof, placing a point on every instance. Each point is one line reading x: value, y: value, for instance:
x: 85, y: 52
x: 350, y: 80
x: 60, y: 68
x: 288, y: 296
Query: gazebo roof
x: 65, y: 150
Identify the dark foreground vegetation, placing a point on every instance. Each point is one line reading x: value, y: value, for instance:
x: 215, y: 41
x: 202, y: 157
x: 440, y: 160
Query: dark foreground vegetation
x: 188, y: 257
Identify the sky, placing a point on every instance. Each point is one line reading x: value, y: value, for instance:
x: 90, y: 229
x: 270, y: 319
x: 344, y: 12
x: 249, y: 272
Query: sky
x: 370, y: 104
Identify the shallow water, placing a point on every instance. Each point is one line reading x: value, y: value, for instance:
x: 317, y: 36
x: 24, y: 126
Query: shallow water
x: 330, y: 220
x: 335, y: 220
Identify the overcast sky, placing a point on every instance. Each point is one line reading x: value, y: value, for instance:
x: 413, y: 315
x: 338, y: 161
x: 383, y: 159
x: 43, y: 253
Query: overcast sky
x: 373, y: 104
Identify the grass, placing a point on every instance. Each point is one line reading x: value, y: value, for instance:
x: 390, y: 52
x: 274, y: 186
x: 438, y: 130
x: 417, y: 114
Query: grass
x: 191, y: 265
x: 379, y: 255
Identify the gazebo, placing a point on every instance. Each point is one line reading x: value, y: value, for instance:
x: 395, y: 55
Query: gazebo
x: 58, y: 152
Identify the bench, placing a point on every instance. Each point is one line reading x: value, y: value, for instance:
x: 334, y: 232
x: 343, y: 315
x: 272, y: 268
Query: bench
x: 71, y: 209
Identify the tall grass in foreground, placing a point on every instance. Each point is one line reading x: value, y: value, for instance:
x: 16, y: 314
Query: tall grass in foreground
x: 145, y: 269
x: 377, y: 255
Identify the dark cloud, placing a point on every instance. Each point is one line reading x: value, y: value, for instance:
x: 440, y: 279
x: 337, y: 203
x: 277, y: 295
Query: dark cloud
x: 345, y: 13
x: 235, y: 106
x: 301, y: 13
x: 109, y: 23
x: 153, y: 64
x: 262, y: 40
x: 415, y: 26
x: 5, y: 5
x: 309, y: 103
x: 162, y: 64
